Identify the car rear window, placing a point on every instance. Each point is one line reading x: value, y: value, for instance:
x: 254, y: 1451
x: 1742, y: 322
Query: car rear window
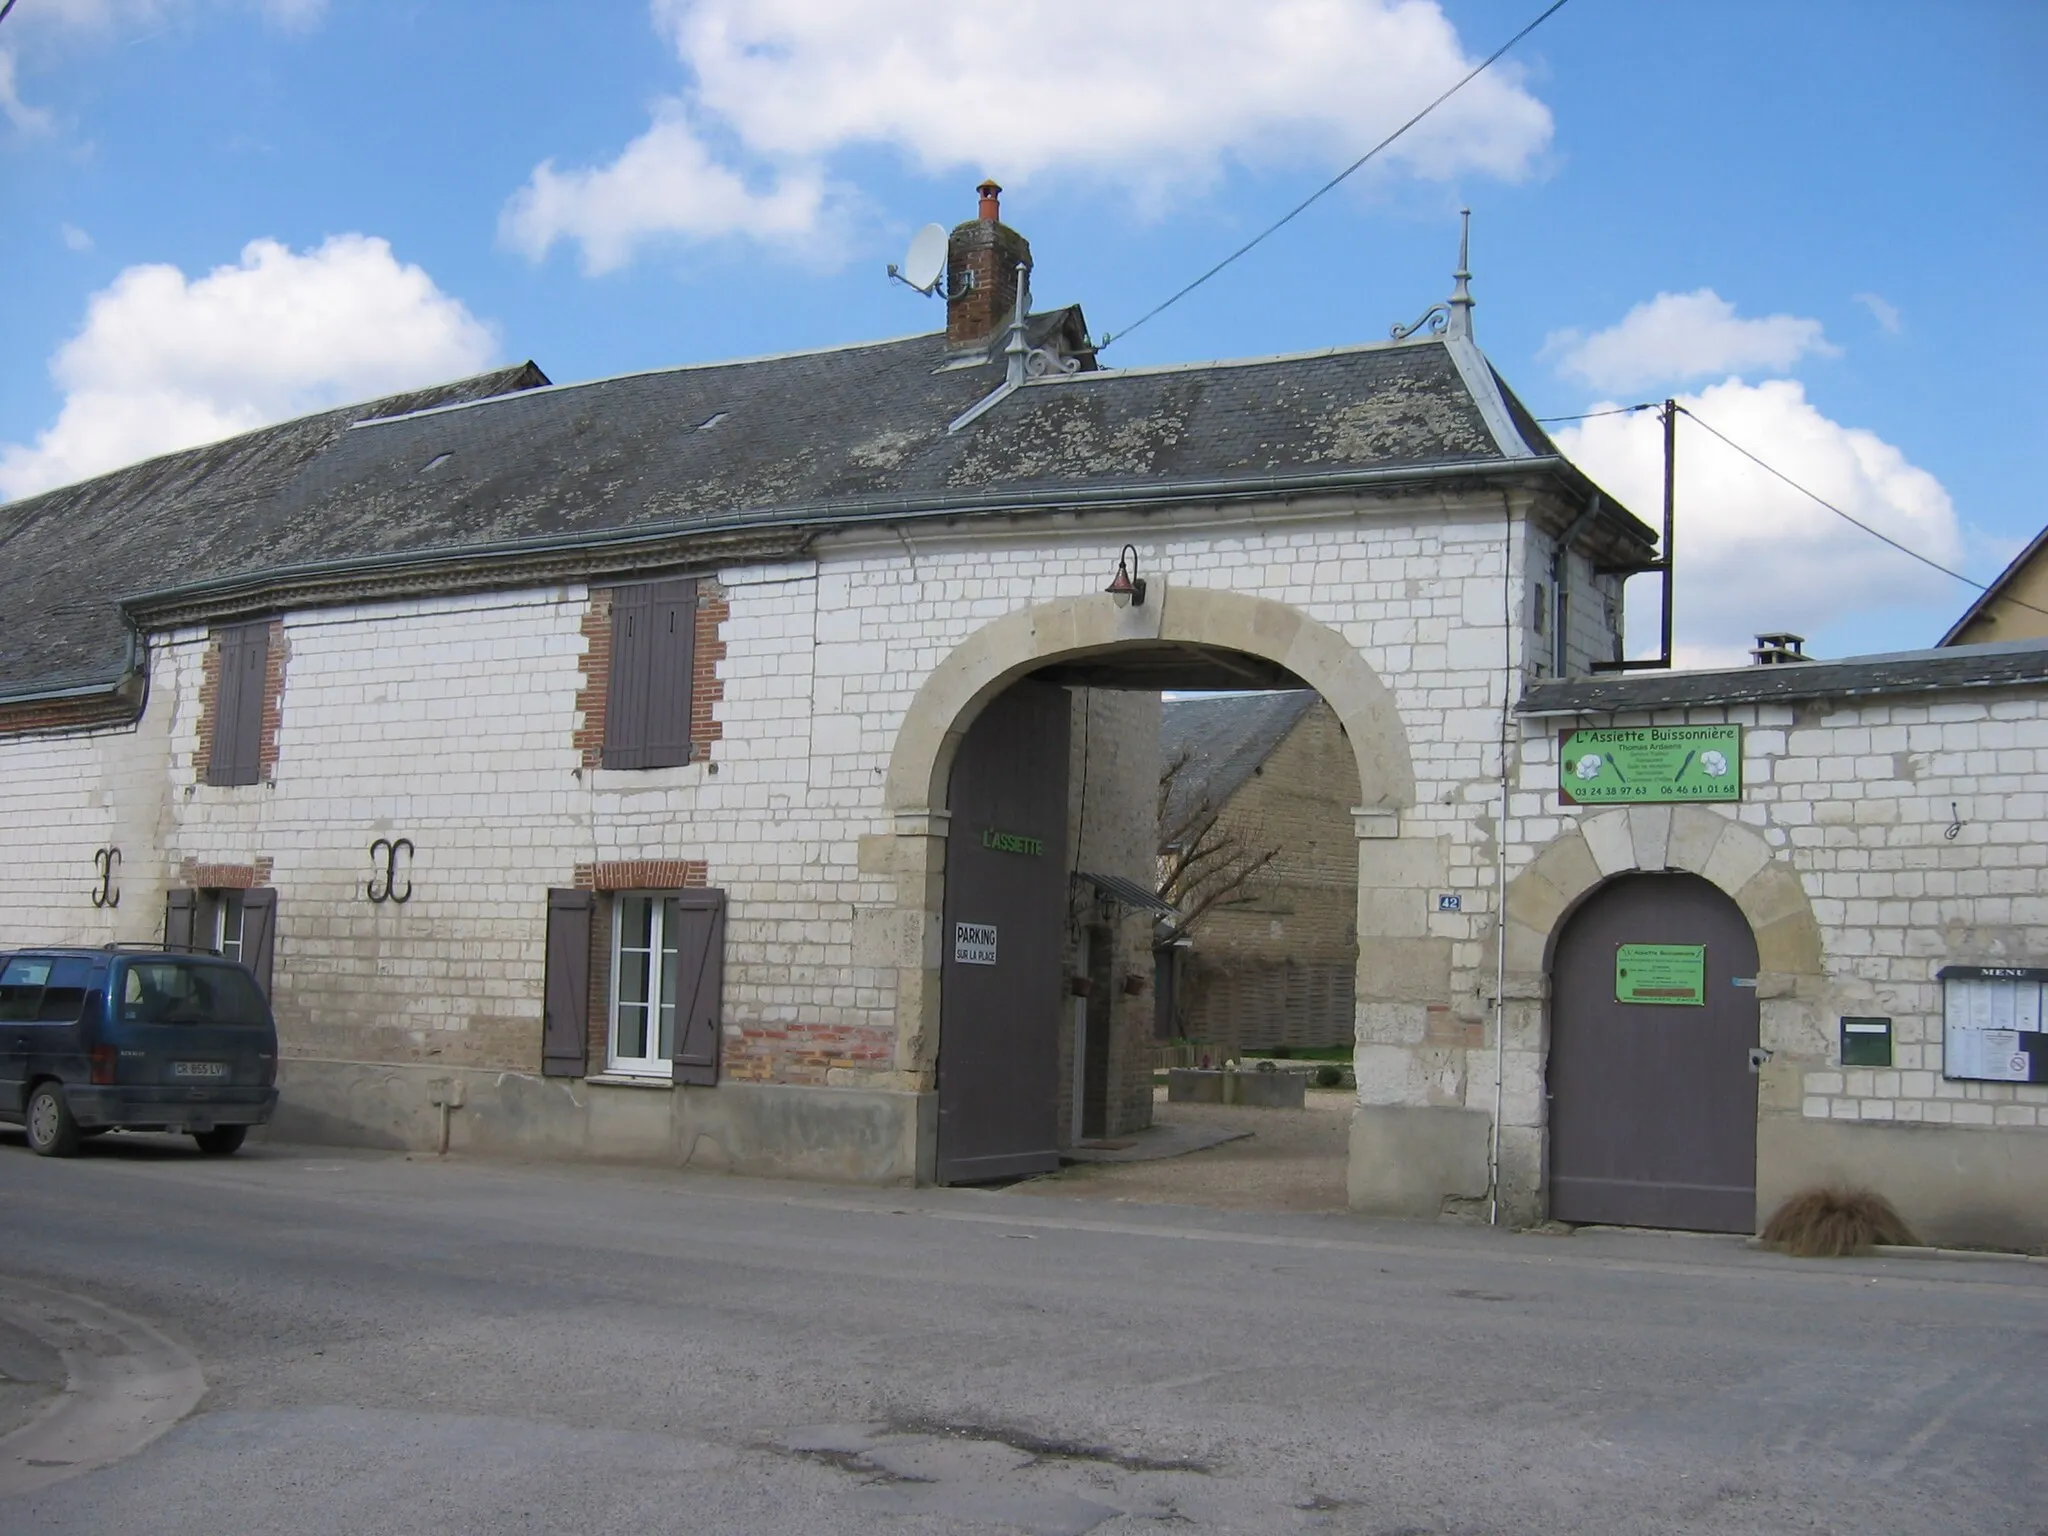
x: 45, y: 991
x: 184, y: 992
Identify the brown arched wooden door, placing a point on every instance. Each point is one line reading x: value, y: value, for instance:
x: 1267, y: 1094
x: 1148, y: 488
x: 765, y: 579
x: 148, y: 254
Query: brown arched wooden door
x: 1652, y: 1093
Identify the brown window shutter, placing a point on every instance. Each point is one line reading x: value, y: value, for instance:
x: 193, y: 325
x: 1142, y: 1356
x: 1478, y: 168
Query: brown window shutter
x: 565, y: 1007
x: 227, y: 708
x: 647, y: 702
x: 259, y: 933
x: 700, y: 985
x: 673, y: 635
x: 181, y: 919
x: 237, y: 749
x: 625, y: 712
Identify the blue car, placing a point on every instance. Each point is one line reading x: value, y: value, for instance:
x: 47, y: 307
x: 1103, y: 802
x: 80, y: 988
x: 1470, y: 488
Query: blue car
x: 101, y: 1040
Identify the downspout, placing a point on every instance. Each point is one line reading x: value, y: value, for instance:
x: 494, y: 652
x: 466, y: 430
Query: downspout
x: 1500, y: 844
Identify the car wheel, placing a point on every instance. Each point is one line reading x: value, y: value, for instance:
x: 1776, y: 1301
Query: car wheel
x: 51, y: 1130
x: 222, y: 1140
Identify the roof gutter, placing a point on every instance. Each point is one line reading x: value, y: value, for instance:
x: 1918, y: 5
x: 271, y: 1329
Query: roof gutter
x: 746, y: 532
x: 130, y: 684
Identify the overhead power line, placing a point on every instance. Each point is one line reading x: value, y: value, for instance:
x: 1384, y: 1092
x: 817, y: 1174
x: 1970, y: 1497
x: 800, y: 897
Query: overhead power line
x: 1853, y: 521
x: 1332, y: 184
x: 4, y: 9
x: 1618, y: 410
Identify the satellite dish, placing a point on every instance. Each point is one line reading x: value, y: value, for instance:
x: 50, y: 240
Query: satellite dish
x: 926, y: 260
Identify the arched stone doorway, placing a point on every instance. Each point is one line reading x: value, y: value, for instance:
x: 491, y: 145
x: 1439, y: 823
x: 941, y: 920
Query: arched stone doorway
x: 1791, y: 984
x: 1651, y: 1079
x: 1067, y: 639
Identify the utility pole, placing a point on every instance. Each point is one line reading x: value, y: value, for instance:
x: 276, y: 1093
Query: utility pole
x: 1670, y: 521
x: 1663, y: 563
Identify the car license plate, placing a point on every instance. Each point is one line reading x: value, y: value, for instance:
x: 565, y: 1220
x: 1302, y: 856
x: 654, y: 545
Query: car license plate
x: 199, y: 1069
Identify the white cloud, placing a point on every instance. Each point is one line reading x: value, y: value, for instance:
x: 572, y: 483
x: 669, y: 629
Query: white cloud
x: 1679, y: 336
x: 163, y: 362
x: 666, y: 182
x: 1885, y: 314
x: 1147, y: 95
x: 1755, y: 555
x: 74, y: 238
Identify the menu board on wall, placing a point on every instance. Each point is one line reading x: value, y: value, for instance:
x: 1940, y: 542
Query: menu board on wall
x: 1992, y: 1025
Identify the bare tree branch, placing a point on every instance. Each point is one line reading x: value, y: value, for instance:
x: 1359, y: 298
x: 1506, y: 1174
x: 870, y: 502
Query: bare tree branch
x: 1203, y: 862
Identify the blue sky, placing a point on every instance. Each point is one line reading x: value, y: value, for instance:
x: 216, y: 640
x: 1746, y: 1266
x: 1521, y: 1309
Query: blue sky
x: 1840, y: 205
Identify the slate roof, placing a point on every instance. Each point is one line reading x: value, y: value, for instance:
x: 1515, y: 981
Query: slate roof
x: 2001, y: 664
x: 68, y: 556
x: 488, y: 466
x: 1225, y: 739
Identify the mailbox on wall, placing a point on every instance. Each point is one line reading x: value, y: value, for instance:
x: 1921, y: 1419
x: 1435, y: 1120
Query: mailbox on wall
x: 1866, y: 1042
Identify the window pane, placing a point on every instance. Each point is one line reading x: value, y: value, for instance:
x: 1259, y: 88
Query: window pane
x: 632, y: 1032
x: 632, y: 1006
x: 636, y: 922
x: 671, y: 971
x: 184, y: 992
x: 228, y: 928
x: 64, y: 998
x: 21, y: 988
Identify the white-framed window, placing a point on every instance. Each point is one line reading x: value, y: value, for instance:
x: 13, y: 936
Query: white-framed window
x: 229, y: 922
x: 645, y: 973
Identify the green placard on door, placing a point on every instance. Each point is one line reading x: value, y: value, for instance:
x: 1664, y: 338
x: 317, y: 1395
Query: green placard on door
x: 1672, y: 974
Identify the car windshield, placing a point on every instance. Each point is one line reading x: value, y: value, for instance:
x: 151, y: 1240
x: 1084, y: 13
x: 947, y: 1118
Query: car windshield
x: 188, y: 992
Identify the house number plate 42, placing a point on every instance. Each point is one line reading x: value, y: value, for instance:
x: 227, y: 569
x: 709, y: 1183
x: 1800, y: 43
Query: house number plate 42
x: 974, y: 943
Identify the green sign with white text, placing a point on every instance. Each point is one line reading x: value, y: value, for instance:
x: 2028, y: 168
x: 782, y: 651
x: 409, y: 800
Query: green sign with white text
x: 1649, y: 764
x: 1671, y: 974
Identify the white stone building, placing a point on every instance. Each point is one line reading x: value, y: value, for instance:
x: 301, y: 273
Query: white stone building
x: 594, y: 745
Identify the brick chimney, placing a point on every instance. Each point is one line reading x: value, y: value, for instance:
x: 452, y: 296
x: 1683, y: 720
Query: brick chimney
x: 981, y: 273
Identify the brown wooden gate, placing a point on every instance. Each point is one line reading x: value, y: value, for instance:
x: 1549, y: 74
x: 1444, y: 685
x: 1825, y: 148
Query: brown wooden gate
x: 1653, y: 1105
x: 1004, y: 940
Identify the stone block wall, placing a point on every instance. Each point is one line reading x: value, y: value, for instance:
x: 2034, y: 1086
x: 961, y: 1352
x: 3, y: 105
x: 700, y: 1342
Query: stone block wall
x: 454, y: 722
x: 1878, y: 840
x: 1276, y: 965
x: 1113, y: 775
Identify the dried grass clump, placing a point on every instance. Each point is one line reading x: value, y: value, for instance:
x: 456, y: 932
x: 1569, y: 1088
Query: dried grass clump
x: 1836, y: 1223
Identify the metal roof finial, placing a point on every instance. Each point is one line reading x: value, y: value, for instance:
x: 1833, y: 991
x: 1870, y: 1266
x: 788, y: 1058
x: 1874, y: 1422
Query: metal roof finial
x: 1461, y: 294
x: 1017, y: 349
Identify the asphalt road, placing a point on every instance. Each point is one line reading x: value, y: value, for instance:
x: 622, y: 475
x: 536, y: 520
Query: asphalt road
x: 407, y: 1346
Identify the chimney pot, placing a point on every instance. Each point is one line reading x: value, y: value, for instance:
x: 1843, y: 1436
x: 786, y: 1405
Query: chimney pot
x: 990, y: 206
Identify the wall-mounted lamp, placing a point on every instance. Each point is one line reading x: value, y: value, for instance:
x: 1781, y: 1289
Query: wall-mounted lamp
x: 1127, y: 587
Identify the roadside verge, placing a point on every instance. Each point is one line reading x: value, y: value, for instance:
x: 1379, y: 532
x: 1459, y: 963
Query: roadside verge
x: 125, y: 1384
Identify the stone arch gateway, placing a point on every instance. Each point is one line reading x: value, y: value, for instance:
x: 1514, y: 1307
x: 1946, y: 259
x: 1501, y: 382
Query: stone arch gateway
x: 989, y: 661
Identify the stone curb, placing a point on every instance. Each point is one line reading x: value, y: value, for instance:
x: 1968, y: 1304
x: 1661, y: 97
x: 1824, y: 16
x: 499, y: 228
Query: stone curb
x: 1901, y: 1251
x: 127, y: 1384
